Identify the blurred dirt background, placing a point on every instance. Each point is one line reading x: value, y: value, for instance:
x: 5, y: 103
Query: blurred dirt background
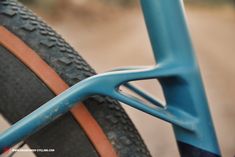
x: 112, y: 33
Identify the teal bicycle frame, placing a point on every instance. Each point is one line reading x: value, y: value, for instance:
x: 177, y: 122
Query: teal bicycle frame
x: 176, y: 70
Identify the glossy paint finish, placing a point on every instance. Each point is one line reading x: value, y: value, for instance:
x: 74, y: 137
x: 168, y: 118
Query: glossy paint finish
x: 176, y: 70
x: 165, y: 20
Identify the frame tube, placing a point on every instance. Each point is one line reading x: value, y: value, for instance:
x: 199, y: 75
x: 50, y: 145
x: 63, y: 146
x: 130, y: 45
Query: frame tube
x: 168, y: 32
x: 177, y: 71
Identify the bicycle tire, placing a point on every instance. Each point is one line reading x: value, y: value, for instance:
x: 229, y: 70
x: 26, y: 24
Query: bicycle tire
x: 22, y: 91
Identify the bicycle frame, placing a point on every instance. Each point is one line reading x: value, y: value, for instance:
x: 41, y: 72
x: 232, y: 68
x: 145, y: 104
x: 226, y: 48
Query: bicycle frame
x: 176, y: 70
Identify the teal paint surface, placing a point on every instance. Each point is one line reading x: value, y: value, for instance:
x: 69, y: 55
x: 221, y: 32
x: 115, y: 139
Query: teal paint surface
x: 176, y: 69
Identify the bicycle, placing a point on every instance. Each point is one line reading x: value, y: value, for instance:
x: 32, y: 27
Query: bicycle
x: 45, y: 66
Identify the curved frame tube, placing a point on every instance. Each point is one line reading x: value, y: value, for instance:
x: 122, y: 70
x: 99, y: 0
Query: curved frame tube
x: 177, y: 71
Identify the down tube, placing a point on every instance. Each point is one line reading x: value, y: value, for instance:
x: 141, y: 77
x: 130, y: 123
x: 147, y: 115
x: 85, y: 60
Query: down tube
x: 165, y: 20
